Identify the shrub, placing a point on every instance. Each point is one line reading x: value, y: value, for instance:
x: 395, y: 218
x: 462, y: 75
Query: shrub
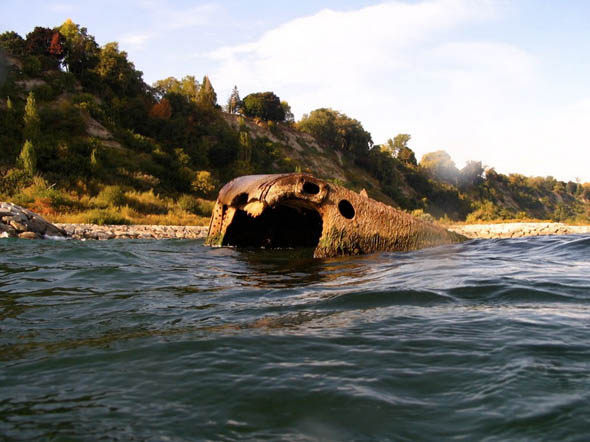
x: 196, y: 206
x: 420, y: 214
x: 146, y: 202
x: 105, y: 216
x: 110, y: 196
x: 204, y: 184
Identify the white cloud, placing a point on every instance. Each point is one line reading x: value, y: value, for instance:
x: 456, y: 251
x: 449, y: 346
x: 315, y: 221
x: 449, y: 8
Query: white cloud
x: 408, y: 67
x: 135, y: 40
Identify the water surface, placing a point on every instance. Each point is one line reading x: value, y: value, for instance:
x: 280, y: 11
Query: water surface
x: 172, y: 340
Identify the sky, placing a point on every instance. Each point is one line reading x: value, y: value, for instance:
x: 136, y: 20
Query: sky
x: 505, y: 82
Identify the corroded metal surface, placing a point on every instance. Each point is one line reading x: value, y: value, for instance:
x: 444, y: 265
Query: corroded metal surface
x: 299, y: 210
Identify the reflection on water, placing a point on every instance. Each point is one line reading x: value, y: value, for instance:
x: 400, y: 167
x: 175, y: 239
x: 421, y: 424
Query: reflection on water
x: 173, y: 340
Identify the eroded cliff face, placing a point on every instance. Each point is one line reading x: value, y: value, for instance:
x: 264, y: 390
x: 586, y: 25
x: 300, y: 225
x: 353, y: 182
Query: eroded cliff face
x: 299, y: 210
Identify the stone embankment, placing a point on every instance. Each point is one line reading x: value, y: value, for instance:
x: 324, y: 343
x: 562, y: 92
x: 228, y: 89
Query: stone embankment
x: 91, y: 231
x: 16, y: 221
x: 517, y: 230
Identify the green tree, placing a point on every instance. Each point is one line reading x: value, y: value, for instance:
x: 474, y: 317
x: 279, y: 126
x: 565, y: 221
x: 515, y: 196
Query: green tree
x: 28, y: 158
x: 118, y: 73
x: 233, y: 103
x: 187, y: 87
x: 263, y: 105
x: 398, y: 148
x: 81, y: 50
x: 32, y: 121
x: 206, y: 96
x: 471, y: 174
x: 337, y: 130
x: 289, y: 117
x: 12, y: 43
x: 439, y: 165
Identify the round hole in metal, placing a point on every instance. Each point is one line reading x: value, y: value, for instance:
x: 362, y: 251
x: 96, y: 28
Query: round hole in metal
x: 311, y: 188
x: 346, y: 209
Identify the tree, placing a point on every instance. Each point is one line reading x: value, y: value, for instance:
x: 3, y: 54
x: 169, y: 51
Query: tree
x: 31, y: 118
x: 233, y: 103
x: 206, y: 96
x: 289, y: 117
x: 117, y: 72
x: 12, y: 43
x: 188, y: 87
x: 398, y: 148
x: 335, y: 129
x: 263, y: 105
x: 28, y: 158
x: 81, y: 53
x: 161, y: 110
x: 46, y: 44
x: 471, y: 174
x: 439, y: 165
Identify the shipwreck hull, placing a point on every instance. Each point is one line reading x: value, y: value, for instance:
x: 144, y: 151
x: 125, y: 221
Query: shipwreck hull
x: 299, y: 210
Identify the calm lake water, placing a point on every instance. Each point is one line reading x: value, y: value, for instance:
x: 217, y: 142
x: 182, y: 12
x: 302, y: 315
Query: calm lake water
x: 172, y: 340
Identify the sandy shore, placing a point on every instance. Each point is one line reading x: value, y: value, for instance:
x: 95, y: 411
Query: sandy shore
x: 505, y: 230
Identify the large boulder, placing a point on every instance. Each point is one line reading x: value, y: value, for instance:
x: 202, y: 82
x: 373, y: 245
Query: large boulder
x: 16, y: 221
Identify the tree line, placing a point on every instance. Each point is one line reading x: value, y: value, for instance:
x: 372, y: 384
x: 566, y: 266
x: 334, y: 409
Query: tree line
x: 58, y: 81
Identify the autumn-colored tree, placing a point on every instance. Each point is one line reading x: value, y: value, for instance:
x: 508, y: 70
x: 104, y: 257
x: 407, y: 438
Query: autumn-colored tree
x: 55, y: 47
x: 206, y: 96
x: 31, y: 118
x: 47, y: 44
x: 161, y: 110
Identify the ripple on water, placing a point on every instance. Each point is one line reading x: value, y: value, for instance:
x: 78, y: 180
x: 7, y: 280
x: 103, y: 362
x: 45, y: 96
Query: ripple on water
x: 170, y: 339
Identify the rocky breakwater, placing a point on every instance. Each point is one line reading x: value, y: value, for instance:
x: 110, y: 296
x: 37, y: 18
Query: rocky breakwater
x: 16, y: 221
x: 92, y: 231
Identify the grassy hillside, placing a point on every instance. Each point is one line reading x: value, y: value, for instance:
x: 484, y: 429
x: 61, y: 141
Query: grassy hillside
x: 84, y: 139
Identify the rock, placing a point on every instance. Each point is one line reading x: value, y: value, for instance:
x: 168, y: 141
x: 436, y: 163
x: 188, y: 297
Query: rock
x: 16, y: 220
x: 29, y: 235
x: 37, y: 225
x: 18, y: 226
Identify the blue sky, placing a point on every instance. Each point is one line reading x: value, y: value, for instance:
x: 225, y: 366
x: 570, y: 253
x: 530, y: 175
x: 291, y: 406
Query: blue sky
x: 504, y: 82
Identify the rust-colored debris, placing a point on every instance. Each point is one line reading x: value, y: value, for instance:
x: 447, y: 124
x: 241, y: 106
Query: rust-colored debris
x: 299, y: 210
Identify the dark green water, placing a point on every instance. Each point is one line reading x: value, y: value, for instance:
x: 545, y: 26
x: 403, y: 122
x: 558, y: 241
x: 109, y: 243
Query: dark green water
x: 171, y: 340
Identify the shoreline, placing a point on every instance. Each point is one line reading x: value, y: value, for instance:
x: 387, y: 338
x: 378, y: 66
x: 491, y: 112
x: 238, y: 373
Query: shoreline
x: 134, y: 231
x: 516, y: 230
x: 472, y: 231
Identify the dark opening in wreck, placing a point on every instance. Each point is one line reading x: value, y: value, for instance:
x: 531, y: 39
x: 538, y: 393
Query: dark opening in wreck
x: 281, y: 226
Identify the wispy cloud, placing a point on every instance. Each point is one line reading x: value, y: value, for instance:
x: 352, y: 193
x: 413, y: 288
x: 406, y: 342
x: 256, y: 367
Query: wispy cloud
x: 165, y: 17
x: 408, y: 67
x: 135, y: 40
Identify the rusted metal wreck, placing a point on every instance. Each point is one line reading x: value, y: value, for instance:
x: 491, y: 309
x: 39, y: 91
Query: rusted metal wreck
x: 299, y: 210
